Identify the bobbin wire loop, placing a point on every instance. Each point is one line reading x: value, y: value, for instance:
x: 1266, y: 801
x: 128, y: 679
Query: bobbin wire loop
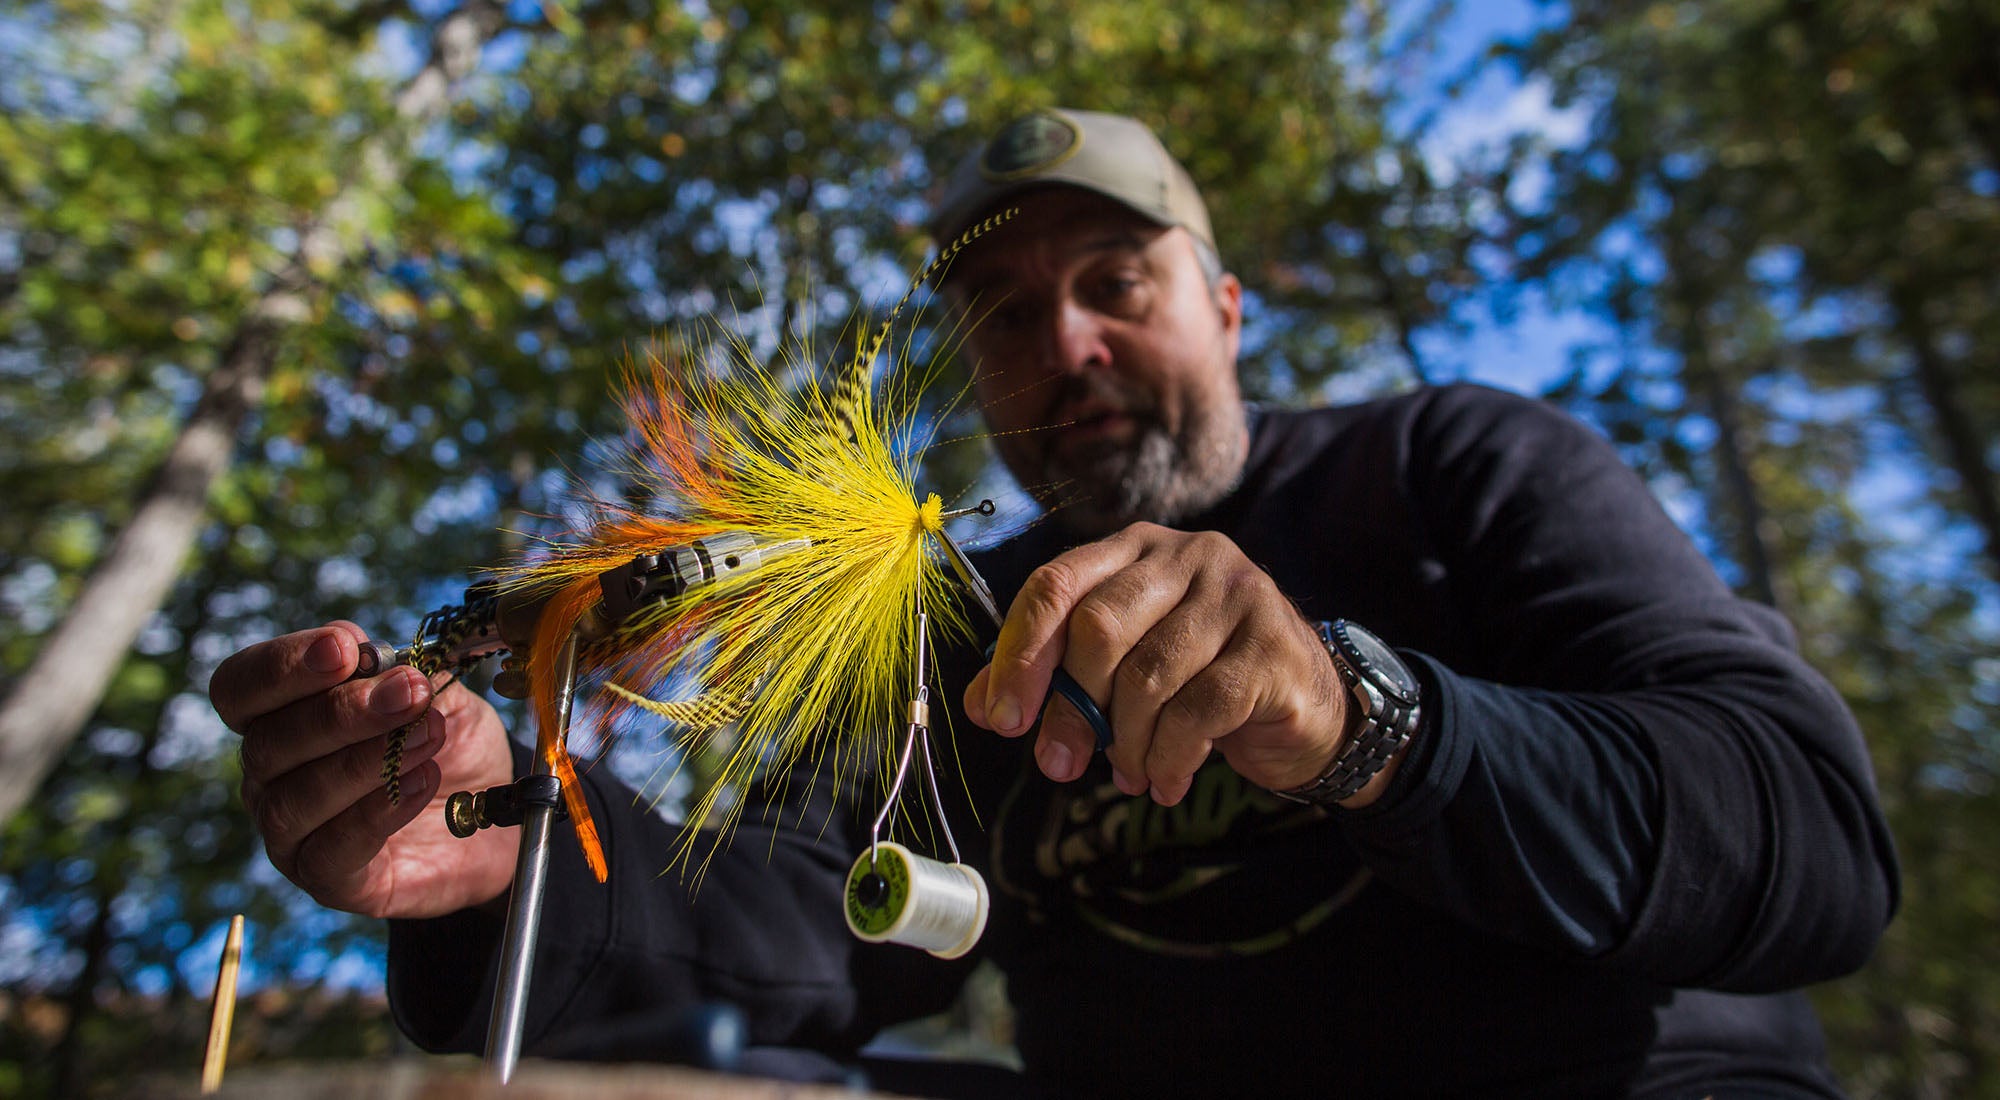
x: 916, y: 736
x: 894, y: 895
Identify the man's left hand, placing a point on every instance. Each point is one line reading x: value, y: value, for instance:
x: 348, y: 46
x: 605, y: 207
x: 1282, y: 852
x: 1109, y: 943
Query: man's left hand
x: 1186, y: 644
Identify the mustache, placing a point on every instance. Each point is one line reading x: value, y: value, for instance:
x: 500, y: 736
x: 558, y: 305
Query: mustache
x: 1094, y: 392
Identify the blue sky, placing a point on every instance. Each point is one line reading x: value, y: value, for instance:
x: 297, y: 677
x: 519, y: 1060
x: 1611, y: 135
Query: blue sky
x: 1530, y: 350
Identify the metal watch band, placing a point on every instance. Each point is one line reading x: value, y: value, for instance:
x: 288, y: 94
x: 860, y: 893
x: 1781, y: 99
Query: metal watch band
x: 1386, y: 723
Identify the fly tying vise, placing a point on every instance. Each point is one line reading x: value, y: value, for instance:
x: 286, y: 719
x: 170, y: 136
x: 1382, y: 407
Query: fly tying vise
x: 453, y: 639
x: 449, y: 641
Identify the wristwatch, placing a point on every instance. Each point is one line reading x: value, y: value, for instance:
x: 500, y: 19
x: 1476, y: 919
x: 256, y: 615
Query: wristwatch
x: 1386, y: 691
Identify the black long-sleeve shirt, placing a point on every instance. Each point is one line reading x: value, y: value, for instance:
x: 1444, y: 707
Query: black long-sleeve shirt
x: 1631, y: 820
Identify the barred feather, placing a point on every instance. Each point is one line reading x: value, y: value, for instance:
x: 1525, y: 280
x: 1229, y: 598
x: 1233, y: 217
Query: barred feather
x: 706, y: 712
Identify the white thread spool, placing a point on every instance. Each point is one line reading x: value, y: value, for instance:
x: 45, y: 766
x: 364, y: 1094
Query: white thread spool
x: 915, y: 901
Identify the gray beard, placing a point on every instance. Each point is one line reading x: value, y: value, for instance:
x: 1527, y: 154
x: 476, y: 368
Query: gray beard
x: 1157, y: 478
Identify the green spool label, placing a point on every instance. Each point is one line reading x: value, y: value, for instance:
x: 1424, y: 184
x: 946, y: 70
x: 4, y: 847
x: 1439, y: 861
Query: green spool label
x: 875, y: 920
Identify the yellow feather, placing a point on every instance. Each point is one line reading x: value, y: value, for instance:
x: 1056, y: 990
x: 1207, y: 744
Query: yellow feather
x: 812, y: 657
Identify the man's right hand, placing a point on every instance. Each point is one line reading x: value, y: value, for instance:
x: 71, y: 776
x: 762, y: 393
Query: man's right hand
x: 313, y: 744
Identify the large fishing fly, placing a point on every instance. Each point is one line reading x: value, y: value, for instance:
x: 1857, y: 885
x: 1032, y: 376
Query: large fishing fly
x: 771, y: 597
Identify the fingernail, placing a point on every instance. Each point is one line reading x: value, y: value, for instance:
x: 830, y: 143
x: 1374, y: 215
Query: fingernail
x: 395, y: 695
x: 1127, y: 784
x: 1005, y: 714
x: 421, y: 733
x: 415, y: 755
x: 1056, y: 760
x: 419, y: 783
x: 325, y: 655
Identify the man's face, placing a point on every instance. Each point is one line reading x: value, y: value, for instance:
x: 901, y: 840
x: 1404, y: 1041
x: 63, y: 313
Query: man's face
x: 1104, y: 361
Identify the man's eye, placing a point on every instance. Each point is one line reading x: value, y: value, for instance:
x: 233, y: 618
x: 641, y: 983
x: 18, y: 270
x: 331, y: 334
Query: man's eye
x: 1114, y: 288
x: 1007, y: 318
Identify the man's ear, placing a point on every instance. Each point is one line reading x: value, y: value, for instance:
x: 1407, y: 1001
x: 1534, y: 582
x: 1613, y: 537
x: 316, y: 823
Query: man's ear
x: 1228, y: 295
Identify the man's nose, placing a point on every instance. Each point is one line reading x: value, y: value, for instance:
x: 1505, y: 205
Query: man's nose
x: 1076, y: 340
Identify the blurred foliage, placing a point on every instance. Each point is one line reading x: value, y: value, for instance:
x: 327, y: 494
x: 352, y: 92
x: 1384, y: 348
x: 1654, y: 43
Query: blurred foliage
x: 1784, y: 214
x: 1781, y: 215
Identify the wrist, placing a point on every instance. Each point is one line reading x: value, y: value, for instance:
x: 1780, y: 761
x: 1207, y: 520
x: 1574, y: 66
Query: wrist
x: 1354, y: 723
x: 1376, y: 787
x: 1380, y: 710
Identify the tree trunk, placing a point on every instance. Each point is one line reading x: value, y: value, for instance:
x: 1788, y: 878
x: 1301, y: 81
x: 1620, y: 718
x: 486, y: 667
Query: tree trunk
x: 1755, y: 528
x: 1964, y: 450
x: 1733, y: 451
x: 110, y: 876
x: 71, y: 1074
x: 64, y: 685
x: 1390, y: 298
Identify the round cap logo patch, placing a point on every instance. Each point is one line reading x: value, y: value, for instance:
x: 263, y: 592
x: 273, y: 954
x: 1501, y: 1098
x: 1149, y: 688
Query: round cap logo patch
x: 1030, y: 144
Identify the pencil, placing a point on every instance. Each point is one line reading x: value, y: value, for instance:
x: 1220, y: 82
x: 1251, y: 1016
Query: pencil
x: 223, y: 1014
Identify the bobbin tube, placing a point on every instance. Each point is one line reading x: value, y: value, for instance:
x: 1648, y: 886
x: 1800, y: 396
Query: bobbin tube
x: 894, y: 895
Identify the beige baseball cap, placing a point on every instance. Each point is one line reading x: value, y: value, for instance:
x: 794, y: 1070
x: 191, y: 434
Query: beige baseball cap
x: 1115, y: 156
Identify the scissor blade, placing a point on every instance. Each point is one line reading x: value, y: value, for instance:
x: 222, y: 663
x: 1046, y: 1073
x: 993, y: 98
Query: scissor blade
x: 976, y: 584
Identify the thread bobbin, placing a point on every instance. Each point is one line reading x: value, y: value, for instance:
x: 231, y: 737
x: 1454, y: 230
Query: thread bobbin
x: 894, y: 895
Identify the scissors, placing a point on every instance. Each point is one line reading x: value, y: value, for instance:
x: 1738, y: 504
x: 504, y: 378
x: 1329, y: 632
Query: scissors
x: 1065, y: 685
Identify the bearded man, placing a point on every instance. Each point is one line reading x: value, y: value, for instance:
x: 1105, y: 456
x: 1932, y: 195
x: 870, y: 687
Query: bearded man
x: 1441, y: 761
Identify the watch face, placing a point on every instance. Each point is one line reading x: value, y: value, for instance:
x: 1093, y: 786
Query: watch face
x: 1378, y: 662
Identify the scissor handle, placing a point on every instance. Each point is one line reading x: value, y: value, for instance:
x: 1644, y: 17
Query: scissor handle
x: 1066, y: 686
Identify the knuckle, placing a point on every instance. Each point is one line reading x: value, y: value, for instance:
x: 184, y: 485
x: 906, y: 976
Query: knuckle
x: 1258, y: 647
x: 1204, y: 707
x: 1184, y: 712
x: 1212, y: 544
x: 312, y: 870
x: 1128, y: 744
x: 360, y: 766
x: 342, y: 713
x: 254, y: 752
x: 1095, y: 623
x: 232, y: 685
x: 1050, y: 587
x: 275, y: 817
x: 222, y: 695
x: 1144, y: 673
x: 225, y: 708
x: 1242, y: 579
x: 1171, y: 767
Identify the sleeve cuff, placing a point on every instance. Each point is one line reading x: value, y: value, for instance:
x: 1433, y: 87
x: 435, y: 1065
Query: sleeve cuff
x: 1432, y: 767
x: 442, y: 972
x: 441, y: 979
